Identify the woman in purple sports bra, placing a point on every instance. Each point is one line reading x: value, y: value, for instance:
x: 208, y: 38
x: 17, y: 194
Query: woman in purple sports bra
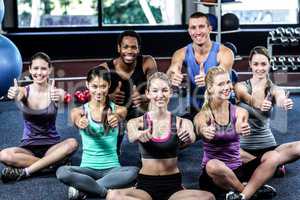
x: 41, y: 145
x: 220, y: 124
x: 159, y: 135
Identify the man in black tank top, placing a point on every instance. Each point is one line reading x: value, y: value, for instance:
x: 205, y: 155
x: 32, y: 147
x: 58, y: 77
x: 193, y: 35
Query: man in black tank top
x: 129, y: 74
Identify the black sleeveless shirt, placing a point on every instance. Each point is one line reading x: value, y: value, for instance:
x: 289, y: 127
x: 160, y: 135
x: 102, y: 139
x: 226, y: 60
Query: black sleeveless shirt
x: 138, y: 78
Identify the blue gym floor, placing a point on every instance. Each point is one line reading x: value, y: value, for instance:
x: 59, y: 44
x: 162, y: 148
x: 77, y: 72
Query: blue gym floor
x: 286, y: 127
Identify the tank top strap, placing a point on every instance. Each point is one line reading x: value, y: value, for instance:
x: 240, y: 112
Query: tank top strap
x: 232, y: 110
x: 173, y: 124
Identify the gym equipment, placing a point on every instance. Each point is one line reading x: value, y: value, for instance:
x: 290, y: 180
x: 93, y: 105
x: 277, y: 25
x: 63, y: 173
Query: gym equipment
x: 273, y: 64
x: 2, y: 9
x: 282, y: 60
x: 229, y: 21
x: 213, y: 21
x: 67, y: 98
x: 10, y: 64
x: 232, y: 47
x: 290, y: 32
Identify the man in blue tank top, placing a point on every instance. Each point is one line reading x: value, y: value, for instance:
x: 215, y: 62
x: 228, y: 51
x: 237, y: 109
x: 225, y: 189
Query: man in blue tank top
x: 191, y: 63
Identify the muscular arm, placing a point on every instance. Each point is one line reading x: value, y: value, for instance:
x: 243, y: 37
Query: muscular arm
x: 225, y: 58
x: 176, y: 62
x: 199, y: 123
x: 149, y: 65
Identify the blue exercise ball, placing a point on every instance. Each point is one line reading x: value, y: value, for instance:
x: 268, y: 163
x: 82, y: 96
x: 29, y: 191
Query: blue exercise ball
x: 10, y: 64
x: 213, y: 21
x: 1, y: 11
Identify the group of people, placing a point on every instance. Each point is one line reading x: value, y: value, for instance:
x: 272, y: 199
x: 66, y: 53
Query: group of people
x: 240, y: 151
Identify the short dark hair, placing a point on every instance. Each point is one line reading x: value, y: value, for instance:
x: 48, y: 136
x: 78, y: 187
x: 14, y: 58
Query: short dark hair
x: 43, y: 56
x: 129, y: 33
x: 199, y: 15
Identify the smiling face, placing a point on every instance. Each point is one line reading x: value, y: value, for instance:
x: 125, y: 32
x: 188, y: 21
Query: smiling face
x: 128, y: 49
x: 260, y: 66
x: 40, y: 70
x: 98, y: 88
x: 199, y: 30
x: 159, y: 93
x: 221, y: 87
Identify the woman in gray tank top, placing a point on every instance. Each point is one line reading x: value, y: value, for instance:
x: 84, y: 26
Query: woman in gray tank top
x: 41, y: 146
x: 258, y: 95
x: 221, y: 124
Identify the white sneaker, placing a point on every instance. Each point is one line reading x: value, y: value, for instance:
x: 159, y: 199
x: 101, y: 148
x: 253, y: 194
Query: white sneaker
x: 74, y: 194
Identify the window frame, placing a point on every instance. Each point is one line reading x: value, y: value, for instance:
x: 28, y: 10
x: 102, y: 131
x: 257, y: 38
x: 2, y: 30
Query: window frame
x: 99, y: 27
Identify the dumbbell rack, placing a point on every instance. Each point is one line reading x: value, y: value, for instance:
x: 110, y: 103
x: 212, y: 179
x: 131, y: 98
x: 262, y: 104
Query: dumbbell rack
x: 286, y: 67
x: 218, y: 11
x: 286, y: 60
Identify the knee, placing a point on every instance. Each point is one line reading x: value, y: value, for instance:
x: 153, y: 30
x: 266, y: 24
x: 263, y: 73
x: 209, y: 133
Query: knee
x: 113, y: 195
x: 63, y: 173
x: 272, y: 158
x: 214, y: 167
x: 72, y: 145
x: 6, y: 157
x: 209, y: 196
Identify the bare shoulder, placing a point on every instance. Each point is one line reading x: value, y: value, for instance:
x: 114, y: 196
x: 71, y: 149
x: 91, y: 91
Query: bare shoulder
x: 240, y: 110
x: 180, y: 52
x: 200, y: 117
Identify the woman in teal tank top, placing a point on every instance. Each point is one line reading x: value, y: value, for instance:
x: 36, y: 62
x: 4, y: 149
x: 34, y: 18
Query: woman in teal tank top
x: 97, y: 121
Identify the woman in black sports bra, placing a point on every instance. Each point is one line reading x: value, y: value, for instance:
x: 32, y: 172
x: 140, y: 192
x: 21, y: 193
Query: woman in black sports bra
x: 159, y: 135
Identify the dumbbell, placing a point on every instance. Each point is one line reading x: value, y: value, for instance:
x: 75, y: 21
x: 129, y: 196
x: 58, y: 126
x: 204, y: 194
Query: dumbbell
x: 297, y: 31
x: 281, y: 34
x: 297, y: 62
x: 290, y: 32
x: 291, y: 63
x: 274, y: 37
x: 273, y: 63
x: 282, y: 61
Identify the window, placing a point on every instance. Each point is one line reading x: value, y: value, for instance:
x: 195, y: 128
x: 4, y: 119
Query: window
x: 253, y: 12
x: 84, y: 13
x: 57, y: 13
x: 141, y: 12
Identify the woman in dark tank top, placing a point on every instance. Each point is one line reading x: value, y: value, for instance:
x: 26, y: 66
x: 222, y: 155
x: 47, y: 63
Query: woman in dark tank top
x: 159, y: 135
x: 40, y: 146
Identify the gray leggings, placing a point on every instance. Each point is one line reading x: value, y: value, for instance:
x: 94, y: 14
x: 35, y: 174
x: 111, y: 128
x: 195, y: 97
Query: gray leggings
x: 97, y: 181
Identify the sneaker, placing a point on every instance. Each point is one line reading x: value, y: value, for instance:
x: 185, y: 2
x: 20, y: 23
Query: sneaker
x: 234, y: 196
x: 74, y: 194
x: 12, y: 174
x: 280, y: 171
x: 265, y: 192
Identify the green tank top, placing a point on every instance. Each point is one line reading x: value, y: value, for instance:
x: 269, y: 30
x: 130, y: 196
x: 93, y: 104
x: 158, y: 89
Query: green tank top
x: 99, y: 150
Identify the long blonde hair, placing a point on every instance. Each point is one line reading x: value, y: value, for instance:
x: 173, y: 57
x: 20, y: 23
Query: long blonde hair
x: 209, y: 80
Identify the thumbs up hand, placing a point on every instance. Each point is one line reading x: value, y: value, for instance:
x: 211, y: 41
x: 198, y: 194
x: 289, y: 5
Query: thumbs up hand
x: 136, y: 97
x: 14, y: 90
x: 200, y: 78
x: 118, y: 96
x: 287, y: 102
x: 83, y: 122
x: 55, y: 93
x: 267, y: 103
x: 209, y: 131
x: 112, y: 119
x: 242, y: 127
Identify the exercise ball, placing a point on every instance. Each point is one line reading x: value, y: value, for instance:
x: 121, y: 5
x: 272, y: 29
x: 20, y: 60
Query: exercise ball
x: 232, y: 47
x: 10, y: 64
x: 1, y: 11
x: 213, y: 21
x: 229, y: 21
